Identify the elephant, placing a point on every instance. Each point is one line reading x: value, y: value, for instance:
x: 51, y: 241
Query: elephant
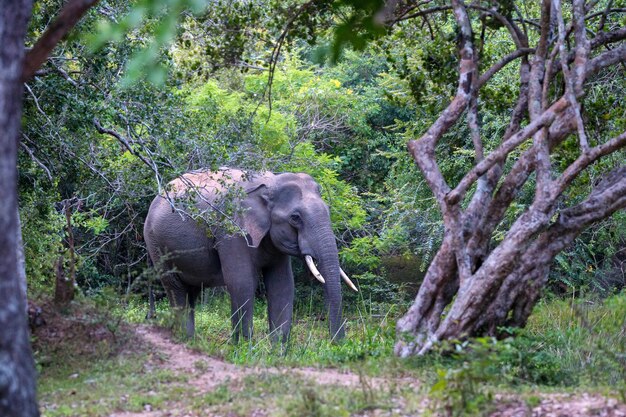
x: 276, y: 217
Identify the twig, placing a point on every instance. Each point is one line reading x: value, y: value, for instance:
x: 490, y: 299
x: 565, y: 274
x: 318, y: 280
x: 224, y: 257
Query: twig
x: 124, y: 142
x: 36, y: 160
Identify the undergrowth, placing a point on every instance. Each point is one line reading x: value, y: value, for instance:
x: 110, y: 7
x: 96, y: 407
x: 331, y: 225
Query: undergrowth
x: 566, y: 343
x: 370, y: 330
x: 567, y: 346
x: 570, y: 344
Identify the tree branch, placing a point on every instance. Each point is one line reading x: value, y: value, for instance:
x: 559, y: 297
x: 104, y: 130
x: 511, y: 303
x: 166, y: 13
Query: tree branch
x: 606, y: 197
x: 124, y: 142
x: 68, y: 17
x: 37, y: 160
x: 502, y: 63
x: 545, y: 119
x: 601, y: 39
x: 423, y: 149
x: 586, y: 159
x: 606, y: 59
x: 536, y: 105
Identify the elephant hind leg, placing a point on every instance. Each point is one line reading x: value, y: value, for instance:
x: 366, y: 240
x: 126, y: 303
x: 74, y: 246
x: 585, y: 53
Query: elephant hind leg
x: 182, y: 299
x: 192, y: 296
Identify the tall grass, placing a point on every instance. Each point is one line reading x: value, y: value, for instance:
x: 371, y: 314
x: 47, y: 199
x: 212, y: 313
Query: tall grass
x: 587, y: 338
x: 566, y: 343
x: 370, y: 329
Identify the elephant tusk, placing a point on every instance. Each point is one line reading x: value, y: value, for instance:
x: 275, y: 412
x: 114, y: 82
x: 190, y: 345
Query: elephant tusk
x: 313, y: 269
x: 347, y: 280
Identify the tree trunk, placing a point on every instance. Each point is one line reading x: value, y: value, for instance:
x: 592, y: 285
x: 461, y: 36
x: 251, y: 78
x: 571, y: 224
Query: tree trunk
x: 63, y: 288
x: 17, y: 371
x: 21, y: 259
x: 481, y: 284
x: 64, y: 283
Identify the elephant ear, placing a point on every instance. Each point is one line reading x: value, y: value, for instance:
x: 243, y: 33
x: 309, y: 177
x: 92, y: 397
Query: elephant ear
x: 256, y: 219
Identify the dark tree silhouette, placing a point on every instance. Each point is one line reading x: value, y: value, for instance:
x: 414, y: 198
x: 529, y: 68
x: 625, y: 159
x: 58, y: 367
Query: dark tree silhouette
x: 17, y: 371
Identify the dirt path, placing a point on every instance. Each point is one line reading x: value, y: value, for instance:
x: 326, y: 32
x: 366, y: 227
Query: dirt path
x: 206, y: 373
x: 210, y: 372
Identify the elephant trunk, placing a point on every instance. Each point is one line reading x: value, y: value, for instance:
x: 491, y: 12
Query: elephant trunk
x: 324, y: 250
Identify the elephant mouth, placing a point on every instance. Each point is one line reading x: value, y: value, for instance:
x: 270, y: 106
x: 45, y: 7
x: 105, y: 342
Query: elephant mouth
x: 293, y: 250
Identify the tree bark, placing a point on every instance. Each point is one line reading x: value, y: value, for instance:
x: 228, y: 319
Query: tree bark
x: 17, y: 370
x: 475, y: 285
x: 21, y: 258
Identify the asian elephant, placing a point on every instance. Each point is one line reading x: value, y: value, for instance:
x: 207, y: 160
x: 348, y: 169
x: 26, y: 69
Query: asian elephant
x: 277, y: 216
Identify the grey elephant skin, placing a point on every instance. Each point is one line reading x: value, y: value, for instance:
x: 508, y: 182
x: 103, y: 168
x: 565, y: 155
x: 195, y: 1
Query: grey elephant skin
x: 278, y: 215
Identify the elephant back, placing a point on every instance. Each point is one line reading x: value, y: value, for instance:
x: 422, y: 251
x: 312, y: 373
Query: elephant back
x: 205, y: 182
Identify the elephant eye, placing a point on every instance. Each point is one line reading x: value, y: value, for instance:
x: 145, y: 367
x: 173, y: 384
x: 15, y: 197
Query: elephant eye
x: 295, y: 219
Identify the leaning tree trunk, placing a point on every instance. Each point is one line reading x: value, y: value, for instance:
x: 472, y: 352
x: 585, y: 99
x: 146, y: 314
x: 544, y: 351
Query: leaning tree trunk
x: 17, y: 371
x: 482, y: 284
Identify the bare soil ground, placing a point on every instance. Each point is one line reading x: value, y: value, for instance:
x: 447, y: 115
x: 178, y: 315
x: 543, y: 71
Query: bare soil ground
x: 206, y: 373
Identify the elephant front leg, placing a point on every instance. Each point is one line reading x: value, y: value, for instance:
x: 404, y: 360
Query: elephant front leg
x: 279, y: 287
x: 241, y: 309
x: 240, y: 277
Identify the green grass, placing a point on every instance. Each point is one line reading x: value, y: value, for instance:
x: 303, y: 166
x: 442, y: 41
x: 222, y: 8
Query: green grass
x: 287, y: 395
x: 586, y: 339
x: 567, y: 346
x: 566, y: 343
x: 368, y: 338
x: 104, y: 386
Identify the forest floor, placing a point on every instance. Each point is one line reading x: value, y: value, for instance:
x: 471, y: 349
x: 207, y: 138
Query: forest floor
x: 150, y: 373
x: 206, y: 374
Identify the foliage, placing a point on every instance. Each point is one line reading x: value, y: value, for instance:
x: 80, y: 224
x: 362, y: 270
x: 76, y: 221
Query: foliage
x: 43, y: 230
x: 345, y: 123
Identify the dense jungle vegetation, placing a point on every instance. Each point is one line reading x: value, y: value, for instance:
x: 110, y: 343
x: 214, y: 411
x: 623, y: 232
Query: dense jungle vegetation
x: 141, y: 92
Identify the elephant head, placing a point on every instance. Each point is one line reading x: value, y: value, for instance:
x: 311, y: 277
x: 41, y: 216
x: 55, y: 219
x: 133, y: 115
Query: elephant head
x: 287, y: 212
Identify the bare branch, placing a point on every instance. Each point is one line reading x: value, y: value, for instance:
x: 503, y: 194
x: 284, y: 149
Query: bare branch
x: 573, y: 82
x: 519, y: 38
x: 276, y: 51
x: 597, y: 63
x: 68, y: 17
x: 124, y: 142
x: 606, y: 59
x: 423, y: 149
x: 486, y: 76
x: 536, y: 105
x: 472, y: 122
x: 36, y: 160
x: 606, y: 197
x: 604, y: 38
x: 421, y: 13
x: 586, y: 159
x: 545, y: 119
